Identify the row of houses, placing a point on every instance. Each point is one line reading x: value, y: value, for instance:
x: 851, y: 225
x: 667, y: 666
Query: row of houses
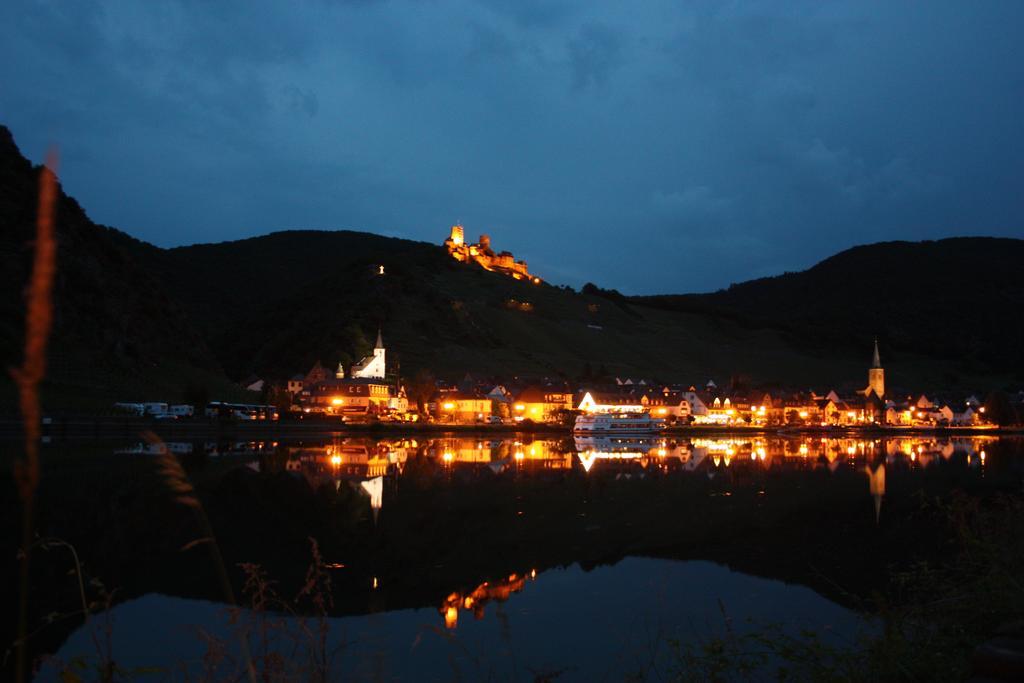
x: 366, y: 390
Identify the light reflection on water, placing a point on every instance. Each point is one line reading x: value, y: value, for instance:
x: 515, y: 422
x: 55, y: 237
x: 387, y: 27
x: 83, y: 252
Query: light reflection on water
x: 368, y: 462
x: 551, y: 617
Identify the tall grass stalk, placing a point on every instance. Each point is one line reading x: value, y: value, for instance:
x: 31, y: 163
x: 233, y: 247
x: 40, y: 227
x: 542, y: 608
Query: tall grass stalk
x: 38, y: 320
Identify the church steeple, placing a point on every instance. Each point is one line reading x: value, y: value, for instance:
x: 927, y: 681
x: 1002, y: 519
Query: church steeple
x: 380, y: 342
x: 876, y: 375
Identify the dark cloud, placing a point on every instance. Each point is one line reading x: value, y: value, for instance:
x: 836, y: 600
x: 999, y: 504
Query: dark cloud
x: 652, y: 147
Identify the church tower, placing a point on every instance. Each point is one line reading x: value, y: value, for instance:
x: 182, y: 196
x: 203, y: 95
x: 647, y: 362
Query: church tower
x: 876, y: 375
x: 371, y: 367
x: 378, y: 348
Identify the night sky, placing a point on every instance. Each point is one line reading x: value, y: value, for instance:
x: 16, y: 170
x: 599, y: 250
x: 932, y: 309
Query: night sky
x: 653, y: 147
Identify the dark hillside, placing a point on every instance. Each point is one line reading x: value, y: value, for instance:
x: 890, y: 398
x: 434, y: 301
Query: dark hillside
x: 116, y: 328
x: 275, y: 304
x: 956, y: 299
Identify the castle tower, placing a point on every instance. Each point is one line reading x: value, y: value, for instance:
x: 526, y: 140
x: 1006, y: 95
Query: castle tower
x: 458, y: 236
x: 485, y: 242
x: 876, y: 375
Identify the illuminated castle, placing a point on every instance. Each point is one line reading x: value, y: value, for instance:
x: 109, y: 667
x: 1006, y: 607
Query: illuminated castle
x: 481, y: 253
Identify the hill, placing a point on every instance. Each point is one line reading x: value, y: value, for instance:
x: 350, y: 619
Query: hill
x: 275, y: 304
x: 116, y: 329
x: 954, y: 299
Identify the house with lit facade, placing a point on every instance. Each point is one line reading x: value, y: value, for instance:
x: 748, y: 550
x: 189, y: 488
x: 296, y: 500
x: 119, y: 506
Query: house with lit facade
x: 461, y: 407
x: 542, y: 403
x: 365, y: 391
x: 349, y: 396
x: 597, y: 401
x: 668, y: 404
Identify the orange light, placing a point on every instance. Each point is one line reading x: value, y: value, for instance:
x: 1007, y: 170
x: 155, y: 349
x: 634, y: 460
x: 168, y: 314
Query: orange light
x: 336, y: 460
x: 448, y: 406
x: 451, y: 617
x: 447, y: 457
x: 337, y: 401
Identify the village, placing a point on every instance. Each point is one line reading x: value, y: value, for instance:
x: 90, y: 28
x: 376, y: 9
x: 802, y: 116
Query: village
x: 371, y: 391
x: 366, y: 392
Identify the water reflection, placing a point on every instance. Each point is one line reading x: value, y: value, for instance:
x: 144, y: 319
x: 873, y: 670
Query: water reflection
x: 475, y: 601
x: 570, y: 625
x: 455, y: 526
x: 368, y: 464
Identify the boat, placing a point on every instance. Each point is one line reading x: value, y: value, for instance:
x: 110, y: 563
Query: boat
x: 617, y: 423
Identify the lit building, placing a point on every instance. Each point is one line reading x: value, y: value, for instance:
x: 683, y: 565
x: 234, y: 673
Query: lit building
x: 461, y: 407
x: 611, y: 402
x: 295, y: 384
x: 541, y: 404
x: 876, y: 376
x: 372, y: 366
x: 364, y: 392
x: 350, y: 396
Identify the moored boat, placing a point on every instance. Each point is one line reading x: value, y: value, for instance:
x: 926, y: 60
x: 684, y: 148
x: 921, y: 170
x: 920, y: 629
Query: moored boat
x: 617, y: 423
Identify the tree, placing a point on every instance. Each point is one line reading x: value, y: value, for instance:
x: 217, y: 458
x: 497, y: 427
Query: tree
x: 196, y: 395
x: 421, y: 389
x: 999, y: 409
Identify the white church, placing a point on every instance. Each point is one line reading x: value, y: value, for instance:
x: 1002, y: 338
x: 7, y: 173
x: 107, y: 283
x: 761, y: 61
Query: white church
x: 372, y: 366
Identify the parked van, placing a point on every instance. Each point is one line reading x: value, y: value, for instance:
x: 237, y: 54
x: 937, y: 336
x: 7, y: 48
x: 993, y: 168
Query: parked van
x: 131, y: 408
x: 182, y: 410
x: 156, y: 408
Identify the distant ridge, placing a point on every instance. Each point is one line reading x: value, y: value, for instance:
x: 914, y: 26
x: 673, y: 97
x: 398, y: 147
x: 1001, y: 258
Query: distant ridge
x: 957, y: 298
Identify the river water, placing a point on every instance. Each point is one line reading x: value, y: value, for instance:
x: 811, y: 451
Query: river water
x: 461, y: 558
